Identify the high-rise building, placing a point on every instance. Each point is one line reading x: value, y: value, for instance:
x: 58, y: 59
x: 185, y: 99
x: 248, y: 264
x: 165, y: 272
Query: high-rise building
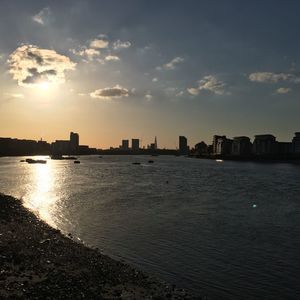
x: 125, y: 145
x: 296, y: 143
x: 74, y: 142
x: 155, y: 143
x: 183, y: 147
x: 135, y: 144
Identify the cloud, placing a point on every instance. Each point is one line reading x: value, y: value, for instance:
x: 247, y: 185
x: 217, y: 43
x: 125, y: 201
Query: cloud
x: 31, y: 65
x: 88, y: 53
x: 117, y: 45
x: 112, y: 58
x: 110, y: 93
x: 283, y: 90
x: 172, y: 64
x: 148, y: 97
x: 209, y: 83
x: 14, y: 95
x: 193, y: 91
x: 99, y: 43
x: 43, y: 16
x: 269, y: 77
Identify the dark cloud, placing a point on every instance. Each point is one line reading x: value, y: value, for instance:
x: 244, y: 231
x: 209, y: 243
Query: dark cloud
x: 109, y: 93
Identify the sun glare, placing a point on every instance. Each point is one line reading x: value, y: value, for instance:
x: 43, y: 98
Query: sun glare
x: 43, y: 85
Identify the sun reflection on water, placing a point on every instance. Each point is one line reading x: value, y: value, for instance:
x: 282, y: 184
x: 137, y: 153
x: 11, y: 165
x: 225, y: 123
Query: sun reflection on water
x: 40, y: 197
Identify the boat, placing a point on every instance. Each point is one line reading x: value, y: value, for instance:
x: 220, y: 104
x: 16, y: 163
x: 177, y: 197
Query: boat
x: 219, y: 160
x: 76, y: 162
x: 136, y: 163
x: 150, y: 161
x: 35, y: 161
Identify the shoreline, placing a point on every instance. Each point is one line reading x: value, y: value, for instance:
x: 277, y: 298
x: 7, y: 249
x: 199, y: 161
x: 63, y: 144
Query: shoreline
x: 39, y: 262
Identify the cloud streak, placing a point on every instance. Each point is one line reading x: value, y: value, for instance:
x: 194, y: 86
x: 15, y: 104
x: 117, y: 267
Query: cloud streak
x: 270, y: 77
x: 209, y: 83
x: 110, y: 93
x: 43, y: 16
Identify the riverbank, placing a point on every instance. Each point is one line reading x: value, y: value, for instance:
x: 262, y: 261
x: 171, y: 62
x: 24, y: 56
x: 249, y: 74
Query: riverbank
x: 38, y: 262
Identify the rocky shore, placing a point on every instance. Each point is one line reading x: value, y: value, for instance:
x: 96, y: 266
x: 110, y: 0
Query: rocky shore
x: 38, y: 262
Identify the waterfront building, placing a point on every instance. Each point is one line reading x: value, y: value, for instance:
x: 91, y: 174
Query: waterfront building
x: 74, y: 142
x: 125, y: 145
x: 223, y: 146
x: 60, y: 147
x: 183, y: 147
x: 135, y: 144
x: 241, y: 146
x: 296, y: 143
x: 284, y: 148
x: 201, y: 148
x: 215, y: 142
x: 264, y: 144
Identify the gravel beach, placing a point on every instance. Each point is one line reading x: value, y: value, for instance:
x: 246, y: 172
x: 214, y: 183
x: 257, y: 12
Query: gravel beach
x: 38, y: 262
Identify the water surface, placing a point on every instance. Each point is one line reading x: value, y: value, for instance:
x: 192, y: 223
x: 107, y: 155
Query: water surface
x: 226, y: 230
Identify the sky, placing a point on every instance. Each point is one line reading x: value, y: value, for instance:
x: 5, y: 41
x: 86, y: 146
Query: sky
x: 115, y: 69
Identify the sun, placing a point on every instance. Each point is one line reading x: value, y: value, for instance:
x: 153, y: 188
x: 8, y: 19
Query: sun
x: 44, y: 85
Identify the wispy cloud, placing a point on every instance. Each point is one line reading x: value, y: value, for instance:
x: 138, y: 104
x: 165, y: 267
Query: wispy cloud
x: 209, y: 83
x: 99, y: 44
x: 31, y: 65
x: 42, y: 17
x: 112, y: 58
x: 88, y: 53
x: 283, y: 90
x: 109, y: 93
x: 171, y: 65
x: 148, y: 96
x: 117, y: 45
x: 270, y: 77
x: 14, y: 95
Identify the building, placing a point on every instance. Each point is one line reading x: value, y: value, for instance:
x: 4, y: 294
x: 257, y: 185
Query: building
x: 201, y: 148
x: 125, y: 145
x: 135, y: 144
x: 284, y: 148
x: 215, y: 142
x: 241, y: 146
x: 74, y: 142
x: 265, y: 144
x: 60, y: 147
x: 183, y: 147
x: 223, y: 146
x: 296, y: 143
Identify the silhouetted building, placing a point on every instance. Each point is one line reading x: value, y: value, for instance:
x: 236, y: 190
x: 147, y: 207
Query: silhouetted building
x: 60, y: 147
x: 155, y: 143
x: 135, y: 144
x: 296, y: 143
x: 215, y: 142
x: 264, y: 144
x: 183, y: 147
x: 125, y: 145
x: 284, y: 148
x: 201, y: 148
x: 241, y: 146
x: 224, y: 146
x: 74, y: 142
x: 9, y: 146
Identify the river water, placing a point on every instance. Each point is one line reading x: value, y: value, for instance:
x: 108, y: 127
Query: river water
x: 227, y: 230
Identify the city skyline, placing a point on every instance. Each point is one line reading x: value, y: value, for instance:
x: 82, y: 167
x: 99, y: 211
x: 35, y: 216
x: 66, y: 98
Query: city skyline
x: 194, y: 69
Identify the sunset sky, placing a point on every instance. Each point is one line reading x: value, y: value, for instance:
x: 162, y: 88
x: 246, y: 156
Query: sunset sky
x: 111, y: 70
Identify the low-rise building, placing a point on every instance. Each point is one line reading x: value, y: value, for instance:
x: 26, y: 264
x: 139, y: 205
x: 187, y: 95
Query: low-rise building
x: 241, y: 146
x: 265, y: 144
